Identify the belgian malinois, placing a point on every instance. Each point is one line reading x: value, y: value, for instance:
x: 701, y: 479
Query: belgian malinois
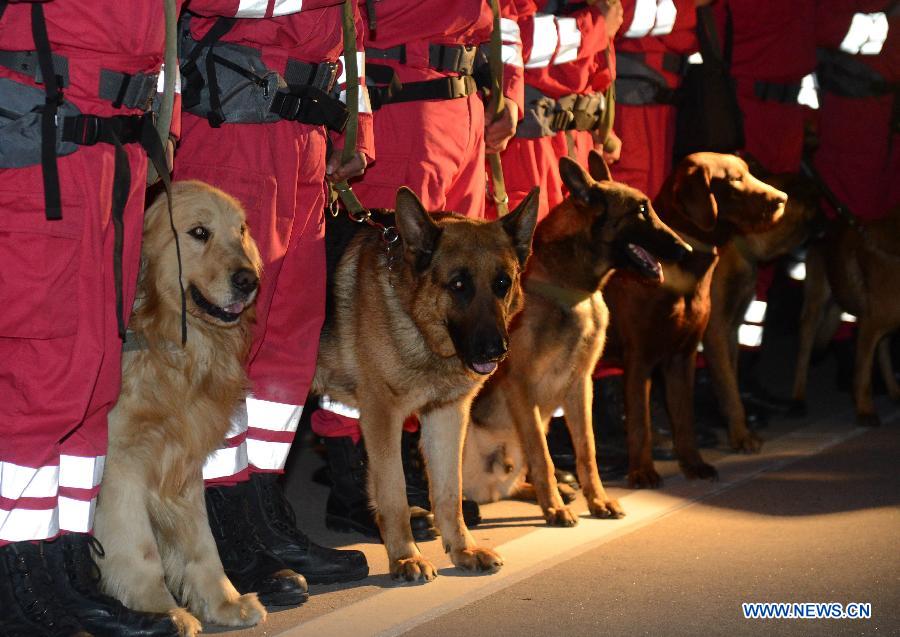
x: 417, y: 330
x: 556, y: 341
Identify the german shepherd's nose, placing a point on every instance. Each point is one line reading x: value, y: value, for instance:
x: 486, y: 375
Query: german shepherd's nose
x: 490, y: 347
x: 244, y: 280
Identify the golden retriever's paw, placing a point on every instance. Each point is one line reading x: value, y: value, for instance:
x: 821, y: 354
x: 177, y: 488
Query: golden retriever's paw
x: 644, y: 478
x: 187, y: 624
x: 606, y: 509
x: 746, y: 443
x: 560, y: 516
x: 246, y: 610
x: 477, y: 560
x: 413, y: 569
x: 699, y: 470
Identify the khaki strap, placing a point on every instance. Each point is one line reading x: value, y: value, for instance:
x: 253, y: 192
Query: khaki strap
x: 570, y: 145
x: 495, y: 109
x: 167, y: 105
x: 351, y: 132
x: 608, y: 118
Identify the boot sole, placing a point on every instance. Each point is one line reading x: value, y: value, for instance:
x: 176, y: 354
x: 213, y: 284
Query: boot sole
x: 343, y: 525
x: 283, y: 599
x: 352, y: 576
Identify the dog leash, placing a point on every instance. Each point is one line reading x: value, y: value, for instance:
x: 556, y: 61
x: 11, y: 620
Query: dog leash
x: 840, y: 208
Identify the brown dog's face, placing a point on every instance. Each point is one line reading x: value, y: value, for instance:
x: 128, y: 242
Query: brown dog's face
x: 465, y: 277
x: 220, y: 261
x: 617, y: 222
x: 711, y: 187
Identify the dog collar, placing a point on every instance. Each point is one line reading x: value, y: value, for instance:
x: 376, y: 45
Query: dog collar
x: 563, y: 296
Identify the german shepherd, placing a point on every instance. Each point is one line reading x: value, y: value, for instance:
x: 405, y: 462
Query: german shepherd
x: 174, y: 409
x: 556, y: 341
x: 418, y: 331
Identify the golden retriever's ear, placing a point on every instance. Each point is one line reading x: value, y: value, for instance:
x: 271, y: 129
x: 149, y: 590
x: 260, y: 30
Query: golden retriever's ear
x: 418, y: 230
x: 694, y: 192
x: 598, y: 167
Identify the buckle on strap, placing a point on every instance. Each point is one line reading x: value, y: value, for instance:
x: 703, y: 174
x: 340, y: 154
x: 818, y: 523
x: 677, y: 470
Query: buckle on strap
x: 125, y: 89
x: 777, y: 92
x: 87, y: 130
x: 452, y: 58
x: 26, y: 63
x: 322, y: 76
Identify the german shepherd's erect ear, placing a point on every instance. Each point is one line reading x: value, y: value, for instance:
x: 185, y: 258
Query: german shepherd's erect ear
x: 520, y: 223
x: 598, y: 167
x: 417, y: 229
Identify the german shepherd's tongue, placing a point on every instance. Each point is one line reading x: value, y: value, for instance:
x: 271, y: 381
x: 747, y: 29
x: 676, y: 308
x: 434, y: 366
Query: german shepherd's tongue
x: 647, y: 264
x: 485, y: 368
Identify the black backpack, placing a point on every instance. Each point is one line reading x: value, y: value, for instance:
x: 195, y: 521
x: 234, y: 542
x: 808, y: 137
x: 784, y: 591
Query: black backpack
x: 709, y: 117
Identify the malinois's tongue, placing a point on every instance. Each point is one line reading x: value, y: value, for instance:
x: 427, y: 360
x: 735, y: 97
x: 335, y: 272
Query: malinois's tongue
x: 484, y: 368
x: 648, y: 264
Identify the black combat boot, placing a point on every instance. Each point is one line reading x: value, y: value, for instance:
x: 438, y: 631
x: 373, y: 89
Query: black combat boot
x: 417, y: 490
x: 348, y: 507
x: 276, y: 523
x: 249, y: 565
x: 77, y: 578
x: 30, y: 601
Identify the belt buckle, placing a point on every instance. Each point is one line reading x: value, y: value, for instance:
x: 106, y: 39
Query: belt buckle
x: 89, y: 133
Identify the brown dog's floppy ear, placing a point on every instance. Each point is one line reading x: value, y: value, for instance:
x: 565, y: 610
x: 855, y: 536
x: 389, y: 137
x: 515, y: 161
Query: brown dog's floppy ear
x: 598, y: 167
x: 576, y: 180
x: 417, y: 229
x: 520, y: 223
x: 694, y: 193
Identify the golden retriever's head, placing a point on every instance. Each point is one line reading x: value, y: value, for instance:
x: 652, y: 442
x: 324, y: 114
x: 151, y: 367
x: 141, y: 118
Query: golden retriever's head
x: 220, y: 261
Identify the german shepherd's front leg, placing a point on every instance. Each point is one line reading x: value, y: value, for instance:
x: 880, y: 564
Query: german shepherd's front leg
x: 443, y: 432
x: 382, y: 432
x: 578, y: 419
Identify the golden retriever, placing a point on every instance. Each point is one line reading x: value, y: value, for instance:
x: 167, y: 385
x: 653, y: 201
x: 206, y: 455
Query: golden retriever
x: 174, y: 409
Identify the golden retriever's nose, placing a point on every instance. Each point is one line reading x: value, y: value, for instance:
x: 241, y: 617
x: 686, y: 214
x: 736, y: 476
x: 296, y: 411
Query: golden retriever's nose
x: 244, y: 280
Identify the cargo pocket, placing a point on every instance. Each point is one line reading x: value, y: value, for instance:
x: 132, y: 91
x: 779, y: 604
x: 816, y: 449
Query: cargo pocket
x: 39, y: 267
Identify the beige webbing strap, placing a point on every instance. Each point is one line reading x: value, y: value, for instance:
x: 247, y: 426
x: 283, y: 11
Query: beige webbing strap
x: 570, y: 145
x: 608, y: 118
x: 167, y: 104
x: 351, y: 132
x: 495, y: 110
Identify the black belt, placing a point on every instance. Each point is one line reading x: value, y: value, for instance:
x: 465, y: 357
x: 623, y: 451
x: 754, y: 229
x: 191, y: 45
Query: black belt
x: 309, y: 105
x: 777, y: 92
x: 322, y: 76
x: 447, y: 58
x: 444, y: 88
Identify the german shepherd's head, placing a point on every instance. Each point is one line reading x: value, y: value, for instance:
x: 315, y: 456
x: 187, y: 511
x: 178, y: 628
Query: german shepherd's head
x: 609, y: 225
x: 464, y: 277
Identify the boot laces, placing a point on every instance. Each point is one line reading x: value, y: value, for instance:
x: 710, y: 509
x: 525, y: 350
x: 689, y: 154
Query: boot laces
x: 279, y: 511
x: 36, y: 596
x: 236, y: 532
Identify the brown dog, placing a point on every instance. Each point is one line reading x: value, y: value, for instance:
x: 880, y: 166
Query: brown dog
x: 856, y: 272
x: 174, y: 409
x: 733, y: 286
x: 418, y: 330
x: 708, y: 199
x: 556, y: 341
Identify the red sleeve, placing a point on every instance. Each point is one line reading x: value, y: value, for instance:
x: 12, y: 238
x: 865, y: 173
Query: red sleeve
x: 511, y: 12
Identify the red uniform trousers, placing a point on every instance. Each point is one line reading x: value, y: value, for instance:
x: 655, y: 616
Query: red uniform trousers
x: 436, y: 148
x: 59, y: 348
x: 277, y: 173
x: 648, y: 134
x: 529, y: 162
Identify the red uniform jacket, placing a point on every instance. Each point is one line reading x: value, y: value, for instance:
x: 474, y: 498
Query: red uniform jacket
x: 656, y: 29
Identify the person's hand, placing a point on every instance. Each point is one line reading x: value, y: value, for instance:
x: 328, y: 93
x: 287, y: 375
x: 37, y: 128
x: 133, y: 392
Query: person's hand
x: 611, y: 149
x: 170, y: 154
x: 614, y: 14
x: 336, y: 172
x: 498, y: 132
